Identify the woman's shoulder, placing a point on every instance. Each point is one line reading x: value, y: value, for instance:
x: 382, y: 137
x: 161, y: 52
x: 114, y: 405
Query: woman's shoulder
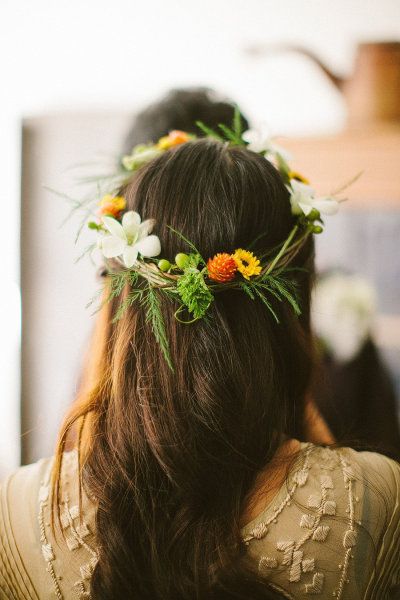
x: 33, y: 554
x: 332, y: 526
x: 20, y: 554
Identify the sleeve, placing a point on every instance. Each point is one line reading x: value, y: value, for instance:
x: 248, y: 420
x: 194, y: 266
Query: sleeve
x: 383, y: 475
x: 14, y: 581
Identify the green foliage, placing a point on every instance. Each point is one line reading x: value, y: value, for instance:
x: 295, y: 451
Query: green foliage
x: 86, y: 251
x: 232, y: 135
x: 151, y: 303
x: 208, y: 131
x: 247, y: 289
x: 119, y: 279
x: 283, y: 168
x: 284, y: 289
x: 195, y: 251
x: 94, y: 225
x: 148, y: 298
x: 261, y: 293
x: 194, y: 293
x: 131, y: 298
x: 237, y: 123
x: 194, y: 260
x: 277, y: 285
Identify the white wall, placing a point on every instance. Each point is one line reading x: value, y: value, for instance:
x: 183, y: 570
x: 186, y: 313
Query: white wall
x: 120, y: 54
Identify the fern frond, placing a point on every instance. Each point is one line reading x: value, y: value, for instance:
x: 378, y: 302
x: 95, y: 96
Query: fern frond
x: 194, y: 293
x: 230, y: 135
x: 208, y: 131
x: 132, y: 297
x: 288, y: 291
x: 87, y: 250
x: 247, y: 289
x: 263, y: 299
x: 282, y: 289
x: 151, y: 303
x: 237, y: 123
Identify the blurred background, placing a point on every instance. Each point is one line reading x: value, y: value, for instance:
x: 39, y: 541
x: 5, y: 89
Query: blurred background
x: 324, y: 76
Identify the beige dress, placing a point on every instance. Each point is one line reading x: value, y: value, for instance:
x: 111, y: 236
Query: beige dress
x: 332, y: 531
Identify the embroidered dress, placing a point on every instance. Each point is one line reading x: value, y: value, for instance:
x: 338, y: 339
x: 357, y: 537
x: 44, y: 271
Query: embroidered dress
x: 332, y: 531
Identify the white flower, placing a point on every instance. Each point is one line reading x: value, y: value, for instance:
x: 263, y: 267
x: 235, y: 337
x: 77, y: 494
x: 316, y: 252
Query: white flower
x: 343, y: 311
x: 259, y: 140
x: 129, y: 239
x: 302, y: 200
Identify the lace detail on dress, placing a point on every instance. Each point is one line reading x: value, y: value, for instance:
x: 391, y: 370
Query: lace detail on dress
x: 350, y: 536
x: 317, y: 491
x: 47, y: 548
x: 74, y: 530
x: 299, y: 479
x: 292, y: 557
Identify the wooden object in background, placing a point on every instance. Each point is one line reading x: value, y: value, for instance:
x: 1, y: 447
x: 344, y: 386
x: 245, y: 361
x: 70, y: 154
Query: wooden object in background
x: 371, y: 140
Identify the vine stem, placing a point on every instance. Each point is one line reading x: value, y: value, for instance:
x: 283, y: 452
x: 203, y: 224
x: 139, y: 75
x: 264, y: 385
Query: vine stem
x: 282, y: 250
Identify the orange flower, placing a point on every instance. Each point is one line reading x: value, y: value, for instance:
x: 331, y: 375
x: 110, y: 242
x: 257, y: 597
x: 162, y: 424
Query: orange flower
x: 112, y: 205
x: 221, y: 268
x: 174, y: 138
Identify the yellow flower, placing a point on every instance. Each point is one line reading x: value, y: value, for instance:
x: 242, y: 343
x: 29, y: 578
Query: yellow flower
x: 112, y: 205
x: 247, y: 264
x: 298, y: 176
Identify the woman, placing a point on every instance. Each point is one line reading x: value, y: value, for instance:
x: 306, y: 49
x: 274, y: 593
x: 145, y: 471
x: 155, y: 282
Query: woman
x: 355, y: 391
x: 181, y: 109
x: 193, y: 484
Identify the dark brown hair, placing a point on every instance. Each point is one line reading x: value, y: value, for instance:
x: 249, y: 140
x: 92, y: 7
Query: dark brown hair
x: 170, y: 457
x: 180, y: 109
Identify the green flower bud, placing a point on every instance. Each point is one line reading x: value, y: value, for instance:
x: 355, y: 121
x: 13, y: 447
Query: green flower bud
x: 93, y: 225
x: 317, y: 229
x: 164, y: 265
x: 314, y: 214
x: 181, y: 260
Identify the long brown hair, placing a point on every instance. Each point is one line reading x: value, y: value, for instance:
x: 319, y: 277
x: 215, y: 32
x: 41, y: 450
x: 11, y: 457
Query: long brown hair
x: 171, y: 456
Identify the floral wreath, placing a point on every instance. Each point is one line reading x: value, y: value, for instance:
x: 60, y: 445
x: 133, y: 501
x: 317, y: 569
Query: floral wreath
x: 132, y: 252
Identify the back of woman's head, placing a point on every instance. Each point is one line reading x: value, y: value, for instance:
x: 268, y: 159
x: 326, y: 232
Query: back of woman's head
x: 173, y: 454
x: 180, y: 109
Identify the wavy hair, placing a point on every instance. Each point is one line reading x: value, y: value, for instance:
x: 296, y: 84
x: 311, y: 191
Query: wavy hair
x: 170, y: 457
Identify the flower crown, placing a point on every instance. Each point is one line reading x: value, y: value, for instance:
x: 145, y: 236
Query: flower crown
x: 191, y: 281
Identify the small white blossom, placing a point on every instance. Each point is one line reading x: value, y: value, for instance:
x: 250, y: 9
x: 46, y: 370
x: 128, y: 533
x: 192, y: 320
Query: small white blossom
x: 129, y: 238
x: 302, y: 200
x: 260, y: 140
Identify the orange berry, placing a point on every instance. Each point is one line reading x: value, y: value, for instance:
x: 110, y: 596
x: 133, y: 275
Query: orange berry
x: 221, y: 268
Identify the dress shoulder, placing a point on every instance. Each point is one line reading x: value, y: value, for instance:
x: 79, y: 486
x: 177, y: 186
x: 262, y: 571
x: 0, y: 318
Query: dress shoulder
x: 381, y: 490
x: 19, y: 552
x: 333, y: 528
x: 37, y: 562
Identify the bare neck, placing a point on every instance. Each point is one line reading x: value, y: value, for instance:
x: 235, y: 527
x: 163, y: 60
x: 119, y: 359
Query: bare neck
x: 269, y: 481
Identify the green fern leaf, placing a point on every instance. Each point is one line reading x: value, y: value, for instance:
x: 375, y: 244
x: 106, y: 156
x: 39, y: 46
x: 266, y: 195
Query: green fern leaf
x: 208, y: 131
x: 194, y: 293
